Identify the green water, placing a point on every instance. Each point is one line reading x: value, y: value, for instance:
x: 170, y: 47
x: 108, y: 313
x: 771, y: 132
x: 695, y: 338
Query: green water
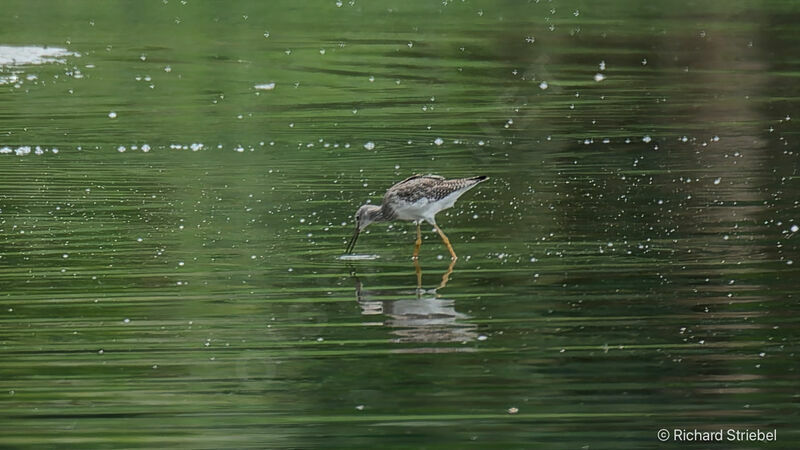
x: 631, y: 265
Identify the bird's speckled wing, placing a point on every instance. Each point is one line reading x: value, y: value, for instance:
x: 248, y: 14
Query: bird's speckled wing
x: 422, y: 196
x: 413, y: 188
x: 432, y: 187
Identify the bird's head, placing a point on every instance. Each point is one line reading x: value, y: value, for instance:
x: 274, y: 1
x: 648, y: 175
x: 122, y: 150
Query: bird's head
x: 365, y: 215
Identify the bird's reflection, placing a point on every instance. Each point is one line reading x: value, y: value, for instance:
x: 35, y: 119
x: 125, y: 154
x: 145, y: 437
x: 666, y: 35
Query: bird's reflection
x: 422, y: 316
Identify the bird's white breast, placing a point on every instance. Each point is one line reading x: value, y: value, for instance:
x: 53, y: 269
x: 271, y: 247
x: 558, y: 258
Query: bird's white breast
x: 425, y: 209
x: 418, y: 210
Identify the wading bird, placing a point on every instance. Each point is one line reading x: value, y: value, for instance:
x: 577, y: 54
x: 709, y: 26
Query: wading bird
x: 415, y: 199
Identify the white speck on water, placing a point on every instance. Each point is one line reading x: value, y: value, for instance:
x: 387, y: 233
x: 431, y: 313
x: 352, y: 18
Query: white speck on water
x: 139, y: 239
x: 438, y: 141
x: 371, y: 79
x: 181, y: 263
x: 360, y: 407
x: 29, y: 55
x: 357, y: 257
x: 322, y: 51
x: 126, y: 320
x: 717, y: 180
x: 599, y: 77
x: 121, y: 149
x: 647, y: 139
x: 644, y: 61
x: 369, y: 145
x: 319, y: 339
x: 112, y: 115
x: 602, y: 66
x: 483, y: 337
x: 794, y: 228
x: 543, y: 85
x: 513, y: 410
x: 265, y: 87
x: 65, y: 256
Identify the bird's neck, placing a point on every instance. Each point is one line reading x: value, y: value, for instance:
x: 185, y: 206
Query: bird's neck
x: 377, y: 214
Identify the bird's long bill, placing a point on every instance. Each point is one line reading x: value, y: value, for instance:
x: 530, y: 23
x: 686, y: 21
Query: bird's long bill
x: 352, y: 243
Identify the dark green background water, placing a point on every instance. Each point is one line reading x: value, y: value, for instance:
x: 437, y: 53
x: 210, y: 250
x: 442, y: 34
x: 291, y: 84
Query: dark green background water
x: 631, y: 265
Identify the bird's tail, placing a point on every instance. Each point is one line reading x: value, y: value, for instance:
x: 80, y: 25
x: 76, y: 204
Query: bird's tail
x: 479, y: 178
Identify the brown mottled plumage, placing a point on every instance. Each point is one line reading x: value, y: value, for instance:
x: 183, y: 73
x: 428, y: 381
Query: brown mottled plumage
x: 433, y: 187
x: 416, y: 198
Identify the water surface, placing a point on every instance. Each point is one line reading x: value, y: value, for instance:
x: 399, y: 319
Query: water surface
x: 178, y: 180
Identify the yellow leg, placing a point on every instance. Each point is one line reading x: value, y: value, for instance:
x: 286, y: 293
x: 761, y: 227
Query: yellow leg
x: 417, y: 244
x: 446, y: 242
x: 446, y: 276
x: 418, y: 270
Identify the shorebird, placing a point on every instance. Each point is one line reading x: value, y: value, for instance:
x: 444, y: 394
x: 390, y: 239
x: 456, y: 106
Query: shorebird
x: 415, y: 199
